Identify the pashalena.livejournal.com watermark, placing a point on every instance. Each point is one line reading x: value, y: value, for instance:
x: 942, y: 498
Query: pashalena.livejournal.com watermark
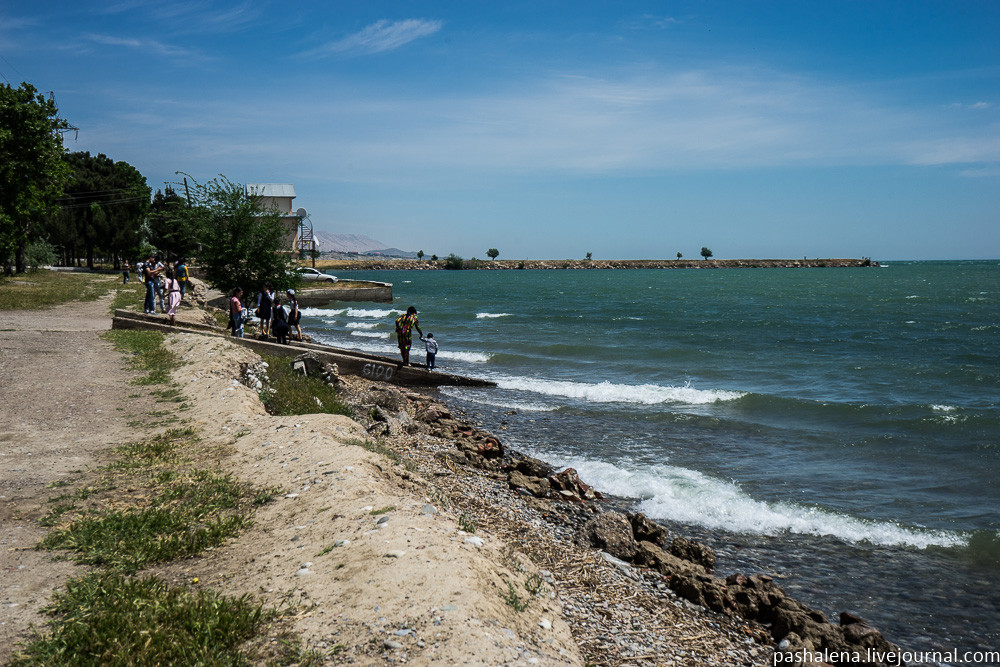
x: 951, y: 657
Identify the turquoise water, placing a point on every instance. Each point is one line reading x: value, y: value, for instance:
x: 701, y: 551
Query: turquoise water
x: 836, y: 426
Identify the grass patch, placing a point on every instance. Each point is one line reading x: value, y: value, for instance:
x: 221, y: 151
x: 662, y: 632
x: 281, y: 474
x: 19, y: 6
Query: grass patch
x: 147, y: 354
x: 295, y: 394
x: 170, y: 508
x: 108, y: 618
x: 128, y: 296
x: 43, y: 288
x: 187, y: 518
x: 383, y: 510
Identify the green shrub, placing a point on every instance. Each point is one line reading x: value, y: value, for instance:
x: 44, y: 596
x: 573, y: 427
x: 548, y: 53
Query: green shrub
x: 291, y: 393
x: 454, y: 262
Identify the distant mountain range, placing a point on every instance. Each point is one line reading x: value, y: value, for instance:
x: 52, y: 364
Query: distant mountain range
x: 357, y: 243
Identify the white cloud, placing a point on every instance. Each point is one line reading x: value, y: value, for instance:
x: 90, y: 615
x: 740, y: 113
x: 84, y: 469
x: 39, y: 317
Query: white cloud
x: 381, y: 36
x: 147, y: 45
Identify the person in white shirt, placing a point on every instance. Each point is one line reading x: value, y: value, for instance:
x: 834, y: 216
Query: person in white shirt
x: 432, y: 350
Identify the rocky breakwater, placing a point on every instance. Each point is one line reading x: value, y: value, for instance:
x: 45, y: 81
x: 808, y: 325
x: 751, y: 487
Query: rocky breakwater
x: 550, y: 264
x: 685, y: 566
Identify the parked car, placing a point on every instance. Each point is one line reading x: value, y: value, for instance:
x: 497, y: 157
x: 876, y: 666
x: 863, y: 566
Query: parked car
x: 306, y: 273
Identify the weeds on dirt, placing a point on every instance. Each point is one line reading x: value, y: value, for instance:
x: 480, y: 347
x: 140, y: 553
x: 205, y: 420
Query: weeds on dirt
x: 147, y: 354
x: 295, y: 394
x: 109, y: 618
x: 466, y: 523
x: 513, y: 599
x: 43, y: 288
x: 379, y: 447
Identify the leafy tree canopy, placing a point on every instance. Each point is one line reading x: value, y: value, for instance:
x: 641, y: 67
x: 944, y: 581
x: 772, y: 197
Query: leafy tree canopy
x: 242, y: 244
x: 492, y: 253
x: 705, y: 252
x: 103, y: 207
x: 31, y: 170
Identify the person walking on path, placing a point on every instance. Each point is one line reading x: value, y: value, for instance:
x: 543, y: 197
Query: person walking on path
x: 294, y: 314
x: 173, y: 289
x: 149, y: 275
x: 264, y: 301
x: 125, y: 272
x: 432, y: 350
x: 237, y: 314
x: 405, y: 324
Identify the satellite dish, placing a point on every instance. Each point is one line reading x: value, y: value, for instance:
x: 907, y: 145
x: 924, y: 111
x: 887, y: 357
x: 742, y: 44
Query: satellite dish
x: 301, y: 213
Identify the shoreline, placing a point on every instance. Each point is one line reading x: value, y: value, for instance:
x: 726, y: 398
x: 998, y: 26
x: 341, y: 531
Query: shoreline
x: 674, y: 564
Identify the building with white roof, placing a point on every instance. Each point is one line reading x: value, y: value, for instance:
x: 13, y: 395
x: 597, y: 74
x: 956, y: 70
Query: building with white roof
x: 278, y: 197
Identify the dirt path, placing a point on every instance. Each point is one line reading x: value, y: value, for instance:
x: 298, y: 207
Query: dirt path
x: 64, y: 397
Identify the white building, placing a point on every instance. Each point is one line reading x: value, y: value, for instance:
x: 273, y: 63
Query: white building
x: 278, y: 197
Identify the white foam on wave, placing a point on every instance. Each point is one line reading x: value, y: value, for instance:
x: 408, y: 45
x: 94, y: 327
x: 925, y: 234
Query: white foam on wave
x: 481, y: 399
x: 321, y: 312
x: 943, y: 408
x: 371, y: 334
x: 608, y: 392
x: 362, y: 325
x: 373, y: 313
x: 490, y: 316
x: 470, y: 357
x: 687, y: 496
x: 358, y: 340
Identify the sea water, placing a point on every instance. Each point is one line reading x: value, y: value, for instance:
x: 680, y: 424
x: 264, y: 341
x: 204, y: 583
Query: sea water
x: 837, y: 428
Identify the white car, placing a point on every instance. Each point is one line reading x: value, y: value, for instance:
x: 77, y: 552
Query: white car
x: 313, y: 275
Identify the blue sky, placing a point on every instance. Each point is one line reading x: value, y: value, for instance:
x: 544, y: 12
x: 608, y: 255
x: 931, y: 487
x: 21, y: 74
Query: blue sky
x: 553, y: 129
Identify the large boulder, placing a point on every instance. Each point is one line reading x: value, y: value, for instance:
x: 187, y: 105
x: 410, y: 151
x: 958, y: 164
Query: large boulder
x: 533, y: 467
x: 610, y: 532
x: 537, y: 486
x: 693, y: 551
x: 646, y: 530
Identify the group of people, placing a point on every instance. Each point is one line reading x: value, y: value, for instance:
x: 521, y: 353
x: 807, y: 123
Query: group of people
x: 275, y: 319
x: 165, y: 282
x: 405, y: 324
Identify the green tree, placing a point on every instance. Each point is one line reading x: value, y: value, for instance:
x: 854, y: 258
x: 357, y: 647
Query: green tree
x: 589, y: 255
x: 434, y: 258
x: 679, y: 255
x: 454, y: 262
x: 492, y: 253
x: 170, y: 228
x: 243, y: 245
x: 31, y: 170
x: 103, y: 208
x: 705, y: 252
x: 420, y: 254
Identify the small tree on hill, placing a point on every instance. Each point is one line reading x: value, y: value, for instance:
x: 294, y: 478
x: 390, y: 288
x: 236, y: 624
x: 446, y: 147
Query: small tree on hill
x: 492, y: 253
x: 420, y: 254
x: 679, y: 255
x: 705, y: 252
